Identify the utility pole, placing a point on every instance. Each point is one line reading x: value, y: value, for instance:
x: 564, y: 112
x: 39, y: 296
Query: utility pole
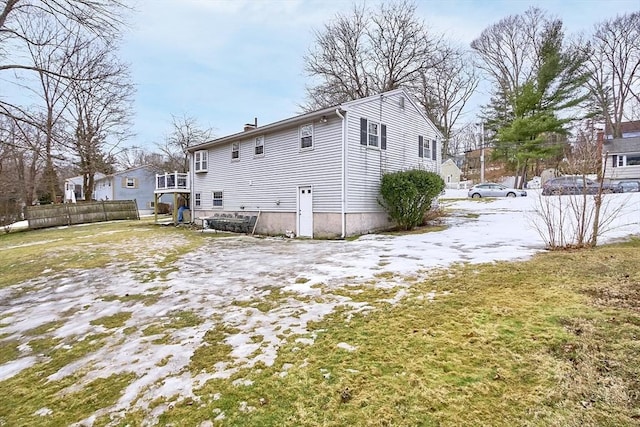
x: 481, y: 124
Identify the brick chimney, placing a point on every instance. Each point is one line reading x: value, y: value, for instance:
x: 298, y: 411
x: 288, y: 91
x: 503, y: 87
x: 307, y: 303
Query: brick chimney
x: 251, y: 126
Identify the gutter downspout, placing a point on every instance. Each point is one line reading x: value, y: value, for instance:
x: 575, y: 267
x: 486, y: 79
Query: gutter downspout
x: 343, y: 201
x: 192, y: 175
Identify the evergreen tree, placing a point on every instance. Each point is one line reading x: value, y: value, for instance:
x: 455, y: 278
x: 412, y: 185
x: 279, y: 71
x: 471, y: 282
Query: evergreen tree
x: 544, y: 104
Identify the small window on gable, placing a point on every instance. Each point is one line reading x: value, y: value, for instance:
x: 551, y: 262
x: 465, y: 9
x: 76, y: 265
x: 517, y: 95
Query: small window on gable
x: 217, y: 199
x: 306, y: 136
x: 259, y: 149
x: 200, y: 161
x: 130, y: 183
x: 198, y: 200
x: 235, y: 151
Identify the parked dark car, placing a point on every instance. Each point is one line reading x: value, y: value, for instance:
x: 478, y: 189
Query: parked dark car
x: 490, y: 189
x: 577, y: 185
x: 629, y: 186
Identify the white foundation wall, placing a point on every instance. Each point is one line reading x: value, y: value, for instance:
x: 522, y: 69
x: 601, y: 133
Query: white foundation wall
x: 325, y: 225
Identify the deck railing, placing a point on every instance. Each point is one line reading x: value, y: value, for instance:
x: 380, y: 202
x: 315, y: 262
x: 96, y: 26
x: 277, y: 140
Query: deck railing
x: 172, y: 181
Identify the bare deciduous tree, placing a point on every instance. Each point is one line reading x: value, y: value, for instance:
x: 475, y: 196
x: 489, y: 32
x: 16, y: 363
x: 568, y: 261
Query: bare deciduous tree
x: 186, y: 132
x: 52, y: 49
x: 509, y: 51
x: 369, y: 52
x: 21, y: 164
x: 99, y: 109
x: 464, y: 138
x: 132, y: 157
x: 614, y: 67
x: 577, y: 221
x: 445, y: 90
x: 101, y: 18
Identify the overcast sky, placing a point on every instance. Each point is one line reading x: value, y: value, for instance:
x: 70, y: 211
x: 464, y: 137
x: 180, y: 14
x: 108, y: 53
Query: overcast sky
x: 225, y: 62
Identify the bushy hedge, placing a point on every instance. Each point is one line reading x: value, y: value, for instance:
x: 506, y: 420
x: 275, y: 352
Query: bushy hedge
x: 407, y: 195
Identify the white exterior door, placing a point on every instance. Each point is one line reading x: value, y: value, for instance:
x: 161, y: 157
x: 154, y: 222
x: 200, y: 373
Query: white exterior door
x: 305, y: 212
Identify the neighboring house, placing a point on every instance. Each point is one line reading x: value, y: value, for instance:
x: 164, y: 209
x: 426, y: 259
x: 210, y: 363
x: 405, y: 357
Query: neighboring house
x: 75, y: 185
x: 132, y: 184
x: 317, y: 174
x: 629, y: 129
x: 450, y: 173
x: 621, y: 156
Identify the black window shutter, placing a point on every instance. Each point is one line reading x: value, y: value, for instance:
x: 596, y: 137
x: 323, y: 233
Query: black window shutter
x: 383, y: 137
x: 363, y: 131
x: 420, y: 148
x: 434, y: 151
x: 615, y: 160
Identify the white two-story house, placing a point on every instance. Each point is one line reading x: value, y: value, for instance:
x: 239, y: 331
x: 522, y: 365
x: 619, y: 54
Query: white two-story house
x: 316, y: 174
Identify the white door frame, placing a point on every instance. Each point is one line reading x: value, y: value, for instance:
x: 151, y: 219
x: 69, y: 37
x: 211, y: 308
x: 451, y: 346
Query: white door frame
x: 304, y: 221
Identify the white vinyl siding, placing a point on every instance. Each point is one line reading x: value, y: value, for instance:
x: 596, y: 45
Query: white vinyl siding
x: 270, y: 183
x: 366, y: 166
x: 623, y: 166
x: 275, y: 177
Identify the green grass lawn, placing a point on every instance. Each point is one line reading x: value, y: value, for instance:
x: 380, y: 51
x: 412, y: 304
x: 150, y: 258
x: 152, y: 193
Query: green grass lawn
x: 552, y: 341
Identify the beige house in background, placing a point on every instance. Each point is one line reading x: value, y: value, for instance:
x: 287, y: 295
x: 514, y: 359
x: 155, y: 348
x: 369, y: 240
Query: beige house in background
x: 450, y: 173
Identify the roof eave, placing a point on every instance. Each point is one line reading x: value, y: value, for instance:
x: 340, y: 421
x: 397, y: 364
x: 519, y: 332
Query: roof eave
x: 282, y: 124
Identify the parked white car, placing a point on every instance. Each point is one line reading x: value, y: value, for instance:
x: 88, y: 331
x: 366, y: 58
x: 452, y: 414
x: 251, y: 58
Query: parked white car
x: 490, y: 189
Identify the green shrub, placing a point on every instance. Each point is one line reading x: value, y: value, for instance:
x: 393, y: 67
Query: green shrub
x: 407, y: 195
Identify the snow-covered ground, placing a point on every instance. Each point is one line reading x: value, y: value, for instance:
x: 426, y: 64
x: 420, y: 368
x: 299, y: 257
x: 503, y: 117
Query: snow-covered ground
x: 219, y: 281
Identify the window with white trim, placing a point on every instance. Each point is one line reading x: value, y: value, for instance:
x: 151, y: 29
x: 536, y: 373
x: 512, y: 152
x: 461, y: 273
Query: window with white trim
x: 424, y: 147
x: 622, y: 160
x: 197, y: 200
x: 200, y: 161
x: 130, y: 183
x: 306, y: 137
x: 373, y: 134
x: 217, y: 199
x: 235, y: 151
x: 259, y: 149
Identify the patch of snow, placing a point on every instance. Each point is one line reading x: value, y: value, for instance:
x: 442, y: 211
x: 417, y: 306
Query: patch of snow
x: 244, y: 407
x: 43, y: 412
x: 345, y: 346
x: 212, y: 280
x: 242, y: 381
x: 14, y: 367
